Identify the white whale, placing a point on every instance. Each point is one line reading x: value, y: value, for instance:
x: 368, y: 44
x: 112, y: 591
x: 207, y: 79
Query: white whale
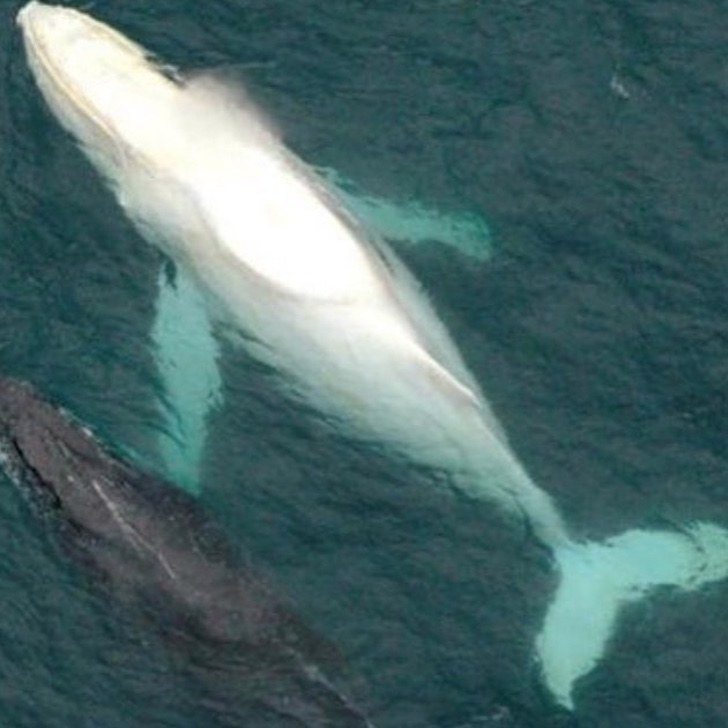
x: 264, y: 243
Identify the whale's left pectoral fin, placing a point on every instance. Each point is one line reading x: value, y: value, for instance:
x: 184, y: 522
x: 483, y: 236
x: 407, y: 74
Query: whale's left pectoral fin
x: 187, y: 356
x: 412, y: 222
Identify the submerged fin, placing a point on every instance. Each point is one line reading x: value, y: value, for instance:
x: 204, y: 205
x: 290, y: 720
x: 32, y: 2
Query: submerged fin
x: 187, y: 355
x: 412, y: 222
x: 598, y: 578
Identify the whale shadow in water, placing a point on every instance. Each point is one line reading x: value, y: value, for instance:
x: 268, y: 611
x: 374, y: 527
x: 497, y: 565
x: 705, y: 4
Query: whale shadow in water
x: 254, y: 659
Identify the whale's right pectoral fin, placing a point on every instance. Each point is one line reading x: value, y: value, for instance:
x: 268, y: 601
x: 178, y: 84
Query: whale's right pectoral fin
x: 412, y: 222
x: 187, y: 356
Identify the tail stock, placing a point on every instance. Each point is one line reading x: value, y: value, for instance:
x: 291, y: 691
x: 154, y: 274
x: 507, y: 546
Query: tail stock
x: 598, y: 578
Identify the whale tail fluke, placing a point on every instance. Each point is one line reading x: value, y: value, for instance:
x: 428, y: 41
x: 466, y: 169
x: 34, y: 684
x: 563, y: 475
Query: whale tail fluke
x: 598, y: 578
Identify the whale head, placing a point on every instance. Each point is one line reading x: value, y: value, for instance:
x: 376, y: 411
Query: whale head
x: 43, y: 449
x: 101, y: 86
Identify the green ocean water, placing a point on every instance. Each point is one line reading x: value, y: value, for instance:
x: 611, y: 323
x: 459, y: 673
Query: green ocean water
x: 593, y: 138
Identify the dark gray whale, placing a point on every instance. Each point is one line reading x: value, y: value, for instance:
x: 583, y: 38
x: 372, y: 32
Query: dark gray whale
x: 153, y: 542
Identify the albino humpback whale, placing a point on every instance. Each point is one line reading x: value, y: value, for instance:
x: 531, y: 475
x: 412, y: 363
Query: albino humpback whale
x: 268, y: 246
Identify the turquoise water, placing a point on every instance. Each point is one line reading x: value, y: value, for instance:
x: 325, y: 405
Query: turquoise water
x: 594, y: 142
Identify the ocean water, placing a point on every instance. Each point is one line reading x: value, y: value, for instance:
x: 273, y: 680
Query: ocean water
x: 594, y: 141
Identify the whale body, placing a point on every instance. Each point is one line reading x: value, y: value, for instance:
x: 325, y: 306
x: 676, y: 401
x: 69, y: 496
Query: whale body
x: 153, y: 542
x: 327, y: 304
